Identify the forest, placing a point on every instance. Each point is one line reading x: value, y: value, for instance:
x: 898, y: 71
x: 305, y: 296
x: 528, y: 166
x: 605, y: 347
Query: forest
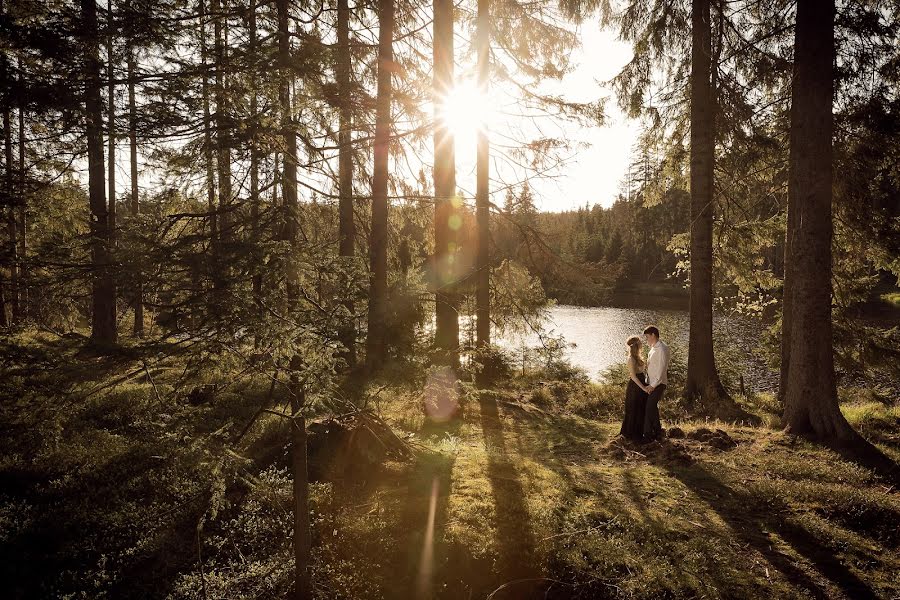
x: 281, y: 300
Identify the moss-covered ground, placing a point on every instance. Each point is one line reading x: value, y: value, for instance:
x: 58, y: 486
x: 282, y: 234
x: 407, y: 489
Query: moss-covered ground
x: 117, y: 482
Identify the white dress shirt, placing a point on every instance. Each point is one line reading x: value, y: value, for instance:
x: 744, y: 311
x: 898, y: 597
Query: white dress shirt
x: 658, y: 364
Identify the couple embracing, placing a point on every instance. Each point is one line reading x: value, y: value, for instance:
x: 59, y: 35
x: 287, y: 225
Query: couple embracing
x: 646, y: 386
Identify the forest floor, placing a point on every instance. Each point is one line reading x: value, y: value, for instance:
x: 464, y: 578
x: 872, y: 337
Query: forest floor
x: 119, y: 479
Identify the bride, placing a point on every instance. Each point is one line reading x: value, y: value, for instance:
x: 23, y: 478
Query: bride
x: 636, y: 393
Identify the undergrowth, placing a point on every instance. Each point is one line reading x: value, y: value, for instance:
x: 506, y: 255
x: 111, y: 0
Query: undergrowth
x: 123, y: 479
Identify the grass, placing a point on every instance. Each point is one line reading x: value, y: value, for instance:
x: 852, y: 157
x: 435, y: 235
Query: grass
x: 133, y: 491
x: 892, y: 298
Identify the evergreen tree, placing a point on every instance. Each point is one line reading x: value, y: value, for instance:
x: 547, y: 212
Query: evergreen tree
x: 810, y: 400
x: 702, y: 376
x: 376, y: 342
x: 103, y: 315
x: 446, y: 217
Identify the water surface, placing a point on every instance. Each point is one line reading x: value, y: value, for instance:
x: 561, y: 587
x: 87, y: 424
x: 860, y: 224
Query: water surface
x: 597, y: 338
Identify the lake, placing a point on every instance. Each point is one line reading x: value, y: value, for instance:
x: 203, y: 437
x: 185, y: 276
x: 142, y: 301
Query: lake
x: 597, y: 338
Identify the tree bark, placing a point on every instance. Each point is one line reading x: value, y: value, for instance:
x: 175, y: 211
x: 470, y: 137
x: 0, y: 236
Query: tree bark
x: 23, y: 210
x: 222, y: 117
x: 811, y: 402
x: 11, y: 220
x: 103, y: 291
x: 211, y: 191
x: 346, y: 224
x: 289, y: 134
x: 207, y: 134
x: 135, y: 197
x: 376, y: 343
x: 702, y: 376
x: 787, y: 299
x: 11, y: 223
x: 482, y: 194
x: 445, y: 273
x: 254, y: 150
x: 4, y: 319
x: 302, y: 585
x: 299, y: 468
x: 111, y: 126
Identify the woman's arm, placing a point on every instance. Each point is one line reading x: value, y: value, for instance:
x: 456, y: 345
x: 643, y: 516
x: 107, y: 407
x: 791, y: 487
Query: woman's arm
x: 632, y: 370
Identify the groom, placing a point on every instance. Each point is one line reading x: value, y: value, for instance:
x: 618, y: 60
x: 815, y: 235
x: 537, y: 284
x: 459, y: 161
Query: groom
x: 657, y: 372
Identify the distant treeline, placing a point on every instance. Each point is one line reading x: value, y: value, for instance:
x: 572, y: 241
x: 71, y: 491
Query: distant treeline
x: 584, y: 256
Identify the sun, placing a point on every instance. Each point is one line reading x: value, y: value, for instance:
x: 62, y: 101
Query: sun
x: 466, y: 111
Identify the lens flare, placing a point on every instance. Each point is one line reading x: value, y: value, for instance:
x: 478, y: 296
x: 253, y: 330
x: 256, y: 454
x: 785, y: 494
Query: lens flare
x: 465, y: 111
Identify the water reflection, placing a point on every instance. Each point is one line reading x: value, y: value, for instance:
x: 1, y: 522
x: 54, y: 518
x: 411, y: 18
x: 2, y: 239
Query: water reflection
x: 597, y: 338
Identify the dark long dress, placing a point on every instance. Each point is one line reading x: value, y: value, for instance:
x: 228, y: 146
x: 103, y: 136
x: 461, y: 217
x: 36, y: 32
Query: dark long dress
x: 635, y: 404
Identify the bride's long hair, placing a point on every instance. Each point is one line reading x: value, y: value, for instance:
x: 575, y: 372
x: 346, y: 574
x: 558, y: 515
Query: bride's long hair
x: 634, y: 351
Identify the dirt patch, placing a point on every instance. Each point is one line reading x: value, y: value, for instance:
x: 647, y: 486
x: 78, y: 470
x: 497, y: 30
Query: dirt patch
x: 717, y: 439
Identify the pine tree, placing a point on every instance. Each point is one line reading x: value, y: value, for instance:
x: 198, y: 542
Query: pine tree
x: 445, y: 217
x: 702, y: 376
x: 810, y: 400
x: 483, y: 262
x: 346, y: 222
x: 103, y: 319
x: 376, y: 342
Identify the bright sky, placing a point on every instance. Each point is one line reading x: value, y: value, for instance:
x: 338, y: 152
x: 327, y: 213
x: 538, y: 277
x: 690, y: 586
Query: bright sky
x: 595, y: 166
x: 595, y: 173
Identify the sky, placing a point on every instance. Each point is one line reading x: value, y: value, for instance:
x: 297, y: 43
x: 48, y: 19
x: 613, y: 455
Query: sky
x: 595, y: 166
x: 595, y: 173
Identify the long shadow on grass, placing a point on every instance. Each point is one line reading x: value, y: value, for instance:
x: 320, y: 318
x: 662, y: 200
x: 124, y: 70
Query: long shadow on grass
x: 869, y: 456
x: 735, y: 509
x: 517, y: 565
x: 424, y: 520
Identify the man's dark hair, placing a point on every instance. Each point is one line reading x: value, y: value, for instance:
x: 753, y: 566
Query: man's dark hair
x: 651, y: 330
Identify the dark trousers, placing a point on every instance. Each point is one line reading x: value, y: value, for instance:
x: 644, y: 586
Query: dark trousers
x: 652, y: 426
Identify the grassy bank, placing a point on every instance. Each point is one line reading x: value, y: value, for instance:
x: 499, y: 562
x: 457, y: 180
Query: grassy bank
x: 121, y: 479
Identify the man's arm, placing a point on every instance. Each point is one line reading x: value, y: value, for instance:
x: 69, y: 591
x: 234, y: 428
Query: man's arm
x: 654, y: 369
x: 668, y: 359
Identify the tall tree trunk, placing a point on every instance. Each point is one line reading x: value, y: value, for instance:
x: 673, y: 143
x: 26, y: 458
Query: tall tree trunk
x: 702, y: 376
x: 346, y: 224
x: 299, y: 468
x: 135, y: 195
x: 223, y: 120
x: 211, y: 208
x: 103, y: 319
x: 254, y: 150
x: 4, y: 319
x: 811, y: 403
x: 223, y: 115
x: 445, y: 272
x: 376, y: 343
x: 787, y: 299
x: 23, y: 210
x: 207, y: 133
x: 10, y: 204
x: 11, y: 217
x: 302, y: 586
x: 111, y: 126
x: 482, y: 194
x: 222, y: 274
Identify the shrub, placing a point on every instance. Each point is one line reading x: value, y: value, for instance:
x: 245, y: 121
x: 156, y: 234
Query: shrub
x: 597, y: 401
x: 541, y: 396
x: 492, y: 361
